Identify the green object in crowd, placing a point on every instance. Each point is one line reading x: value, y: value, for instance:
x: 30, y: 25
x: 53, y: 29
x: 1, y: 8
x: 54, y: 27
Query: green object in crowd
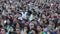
x: 8, y: 29
x: 43, y: 33
x: 53, y: 27
x: 31, y: 17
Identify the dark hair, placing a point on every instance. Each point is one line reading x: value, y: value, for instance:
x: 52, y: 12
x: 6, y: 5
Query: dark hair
x: 1, y: 26
x: 34, y: 12
x: 5, y: 30
x: 12, y: 27
x: 39, y: 7
x: 29, y: 13
x: 20, y: 14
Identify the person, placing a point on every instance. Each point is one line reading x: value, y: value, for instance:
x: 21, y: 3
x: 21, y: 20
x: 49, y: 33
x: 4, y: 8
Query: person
x: 3, y: 30
x: 7, y: 25
x: 25, y: 30
x: 30, y: 16
x: 18, y: 31
x: 40, y: 30
x: 11, y: 30
x: 32, y: 29
x: 0, y: 29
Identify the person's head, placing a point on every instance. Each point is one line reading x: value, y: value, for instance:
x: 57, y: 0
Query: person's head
x: 40, y: 22
x: 32, y: 1
x: 18, y: 30
x: 33, y: 31
x: 57, y: 29
x: 17, y: 25
x: 17, y: 14
x: 3, y: 30
x: 20, y: 14
x: 24, y: 20
x: 39, y: 28
x: 24, y: 3
x: 31, y: 25
x: 34, y: 22
x: 36, y: 16
x: 15, y: 20
x: 23, y: 9
x: 27, y: 0
x: 27, y: 16
x: 59, y: 21
x: 51, y: 23
x: 43, y: 16
x: 49, y: 27
x: 8, y: 21
x: 27, y: 8
x: 26, y: 28
x: 58, y: 15
x: 33, y: 11
x: 39, y: 7
x: 11, y: 29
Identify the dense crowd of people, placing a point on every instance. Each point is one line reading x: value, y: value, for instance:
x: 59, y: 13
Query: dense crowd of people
x: 29, y: 16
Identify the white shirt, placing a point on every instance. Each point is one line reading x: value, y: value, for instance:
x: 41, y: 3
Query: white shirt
x: 24, y: 15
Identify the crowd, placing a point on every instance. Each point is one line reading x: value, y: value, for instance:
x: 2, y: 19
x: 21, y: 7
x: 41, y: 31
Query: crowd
x: 29, y: 16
